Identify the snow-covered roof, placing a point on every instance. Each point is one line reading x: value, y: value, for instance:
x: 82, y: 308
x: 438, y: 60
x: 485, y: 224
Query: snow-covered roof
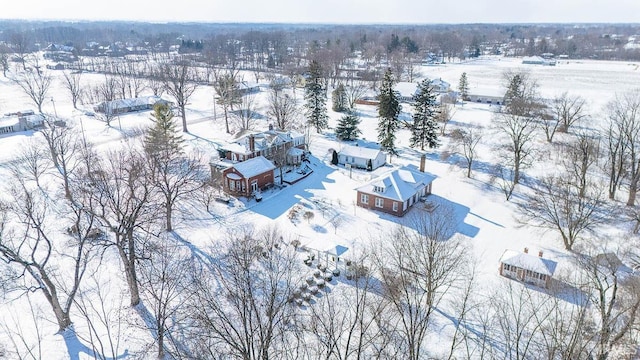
x: 8, y: 121
x: 359, y: 152
x: 529, y: 262
x: 399, y: 184
x: 262, y: 140
x: 254, y: 166
x: 134, y: 102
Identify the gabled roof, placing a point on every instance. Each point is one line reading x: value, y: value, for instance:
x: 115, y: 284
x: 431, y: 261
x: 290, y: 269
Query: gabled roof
x: 133, y: 102
x: 529, y: 262
x: 359, y: 152
x: 262, y: 140
x: 399, y: 184
x: 254, y: 166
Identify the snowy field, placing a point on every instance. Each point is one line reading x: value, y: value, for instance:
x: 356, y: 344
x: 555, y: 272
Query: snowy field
x: 484, y: 219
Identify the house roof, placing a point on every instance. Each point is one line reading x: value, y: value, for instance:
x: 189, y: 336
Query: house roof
x: 8, y: 121
x: 529, y: 262
x: 262, y: 140
x: 359, y: 152
x: 255, y: 166
x: 399, y: 184
x: 133, y: 102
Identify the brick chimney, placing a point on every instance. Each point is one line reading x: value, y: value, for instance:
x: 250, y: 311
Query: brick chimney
x: 252, y: 143
x: 423, y: 159
x: 526, y: 250
x: 540, y: 253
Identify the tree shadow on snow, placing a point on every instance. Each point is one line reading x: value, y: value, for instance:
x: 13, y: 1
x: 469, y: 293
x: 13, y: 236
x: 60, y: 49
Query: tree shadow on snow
x: 78, y: 350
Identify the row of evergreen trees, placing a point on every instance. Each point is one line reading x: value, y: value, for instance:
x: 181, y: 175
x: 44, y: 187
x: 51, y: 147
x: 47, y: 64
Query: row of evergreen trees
x: 424, y: 127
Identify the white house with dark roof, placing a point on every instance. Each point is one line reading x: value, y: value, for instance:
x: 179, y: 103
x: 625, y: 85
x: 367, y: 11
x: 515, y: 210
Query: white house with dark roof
x: 248, y: 177
x: 527, y: 268
x: 361, y: 157
x: 122, y: 106
x: 396, y: 191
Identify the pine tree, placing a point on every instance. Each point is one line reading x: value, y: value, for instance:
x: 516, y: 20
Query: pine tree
x: 163, y: 141
x: 334, y: 158
x: 316, y: 98
x: 463, y: 86
x: 388, y: 112
x: 339, y: 99
x: 347, y: 128
x: 425, y: 126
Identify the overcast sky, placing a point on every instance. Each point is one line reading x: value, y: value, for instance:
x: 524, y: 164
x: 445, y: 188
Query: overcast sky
x: 330, y: 11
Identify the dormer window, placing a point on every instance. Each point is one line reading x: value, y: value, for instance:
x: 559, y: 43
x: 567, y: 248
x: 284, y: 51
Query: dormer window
x: 378, y: 189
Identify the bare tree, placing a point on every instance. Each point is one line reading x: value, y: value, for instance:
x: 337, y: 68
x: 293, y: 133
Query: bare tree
x: 568, y: 110
x: 178, y: 80
x: 558, y: 204
x: 355, y: 91
x: 35, y: 85
x: 242, y: 306
x: 615, y: 299
x: 31, y: 162
x: 420, y: 267
x: 28, y: 244
x: 283, y: 108
x: 624, y: 117
x: 582, y: 155
x: 247, y: 114
x: 519, y: 133
x: 344, y: 324
x: 100, y: 306
x: 73, y: 85
x: 163, y: 279
x: 226, y: 86
x: 446, y: 112
x: 119, y: 193
x: 467, y: 141
x: 65, y: 149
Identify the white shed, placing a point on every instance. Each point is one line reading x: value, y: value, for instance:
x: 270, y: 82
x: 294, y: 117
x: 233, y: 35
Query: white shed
x: 360, y: 157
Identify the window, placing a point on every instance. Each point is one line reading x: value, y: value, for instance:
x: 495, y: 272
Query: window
x: 364, y: 198
x: 232, y: 185
x: 379, y: 202
x: 378, y: 189
x: 395, y: 206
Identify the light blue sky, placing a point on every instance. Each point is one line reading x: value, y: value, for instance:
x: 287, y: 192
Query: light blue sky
x: 330, y: 11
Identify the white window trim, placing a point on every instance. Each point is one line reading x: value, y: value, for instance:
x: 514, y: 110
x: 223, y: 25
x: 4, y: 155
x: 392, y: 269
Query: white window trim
x: 379, y: 202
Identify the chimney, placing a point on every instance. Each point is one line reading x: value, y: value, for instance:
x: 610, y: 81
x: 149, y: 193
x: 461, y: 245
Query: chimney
x: 252, y: 143
x: 540, y: 253
x: 526, y: 250
x: 423, y: 159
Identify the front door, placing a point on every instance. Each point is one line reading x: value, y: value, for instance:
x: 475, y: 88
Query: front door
x: 254, y: 186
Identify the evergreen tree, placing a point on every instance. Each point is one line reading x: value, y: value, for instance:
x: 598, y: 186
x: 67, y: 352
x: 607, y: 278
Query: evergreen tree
x: 425, y: 126
x: 334, y: 158
x: 316, y: 97
x: 463, y: 86
x: 347, y: 128
x: 339, y: 98
x: 162, y: 141
x: 388, y: 112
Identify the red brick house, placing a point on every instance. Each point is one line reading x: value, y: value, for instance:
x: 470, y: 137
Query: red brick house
x: 248, y: 177
x: 527, y: 268
x: 396, y: 191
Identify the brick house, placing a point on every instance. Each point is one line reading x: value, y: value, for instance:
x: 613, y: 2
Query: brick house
x: 527, y: 268
x: 248, y: 177
x: 271, y: 144
x: 396, y: 191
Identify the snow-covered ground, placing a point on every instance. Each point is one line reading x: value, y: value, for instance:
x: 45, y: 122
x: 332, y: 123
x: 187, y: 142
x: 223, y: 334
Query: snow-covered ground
x: 485, y: 220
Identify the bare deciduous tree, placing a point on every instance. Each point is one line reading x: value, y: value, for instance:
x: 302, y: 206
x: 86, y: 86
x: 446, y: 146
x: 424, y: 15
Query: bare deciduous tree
x: 421, y: 265
x: 35, y: 84
x: 283, y: 108
x: 242, y: 307
x: 247, y: 113
x: 467, y: 140
x: 178, y: 80
x: 558, y: 203
x: 73, y: 85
